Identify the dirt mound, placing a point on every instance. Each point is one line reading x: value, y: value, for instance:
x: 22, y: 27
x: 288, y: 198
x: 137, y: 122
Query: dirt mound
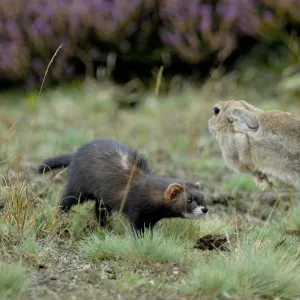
x: 213, y: 242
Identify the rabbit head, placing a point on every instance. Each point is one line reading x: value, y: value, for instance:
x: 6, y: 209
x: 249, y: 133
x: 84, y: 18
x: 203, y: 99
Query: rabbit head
x: 263, y: 143
x: 230, y: 123
x: 233, y: 116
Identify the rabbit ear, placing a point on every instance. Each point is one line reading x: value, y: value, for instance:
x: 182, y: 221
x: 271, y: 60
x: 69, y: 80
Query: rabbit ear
x: 244, y: 119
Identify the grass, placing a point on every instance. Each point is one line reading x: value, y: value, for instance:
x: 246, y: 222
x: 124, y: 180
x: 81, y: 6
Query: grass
x: 239, y: 182
x: 293, y: 222
x: 13, y: 281
x: 72, y: 254
x: 156, y: 248
x: 264, y: 263
x: 214, y: 166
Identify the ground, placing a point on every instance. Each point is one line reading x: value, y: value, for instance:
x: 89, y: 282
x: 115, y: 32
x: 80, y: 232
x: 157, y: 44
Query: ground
x: 246, y: 247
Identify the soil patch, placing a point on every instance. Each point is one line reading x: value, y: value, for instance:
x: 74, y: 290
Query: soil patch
x: 213, y: 242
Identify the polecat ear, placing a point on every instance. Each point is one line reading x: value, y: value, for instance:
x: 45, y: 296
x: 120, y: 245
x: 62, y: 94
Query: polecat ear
x: 198, y: 184
x: 173, y: 190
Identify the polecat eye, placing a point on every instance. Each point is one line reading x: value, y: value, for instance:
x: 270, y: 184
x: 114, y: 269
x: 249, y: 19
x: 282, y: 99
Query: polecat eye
x: 216, y: 111
x: 190, y: 200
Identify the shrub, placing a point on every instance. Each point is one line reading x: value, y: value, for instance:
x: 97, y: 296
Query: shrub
x: 135, y: 30
x: 32, y: 30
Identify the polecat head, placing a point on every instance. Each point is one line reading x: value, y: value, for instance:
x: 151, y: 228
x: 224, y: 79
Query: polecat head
x: 186, y: 199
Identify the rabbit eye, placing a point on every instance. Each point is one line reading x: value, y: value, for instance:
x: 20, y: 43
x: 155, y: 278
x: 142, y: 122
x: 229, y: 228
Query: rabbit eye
x: 216, y: 111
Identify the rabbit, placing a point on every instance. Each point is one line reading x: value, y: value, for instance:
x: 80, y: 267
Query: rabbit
x: 265, y: 144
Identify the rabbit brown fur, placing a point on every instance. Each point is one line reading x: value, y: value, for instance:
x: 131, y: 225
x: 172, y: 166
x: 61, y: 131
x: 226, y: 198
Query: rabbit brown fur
x: 263, y: 143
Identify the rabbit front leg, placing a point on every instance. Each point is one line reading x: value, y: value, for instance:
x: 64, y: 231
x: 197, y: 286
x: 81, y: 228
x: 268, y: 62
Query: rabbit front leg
x: 262, y: 181
x: 267, y: 182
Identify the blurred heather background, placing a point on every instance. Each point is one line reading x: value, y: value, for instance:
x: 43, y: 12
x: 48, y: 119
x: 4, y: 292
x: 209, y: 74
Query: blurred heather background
x: 125, y: 39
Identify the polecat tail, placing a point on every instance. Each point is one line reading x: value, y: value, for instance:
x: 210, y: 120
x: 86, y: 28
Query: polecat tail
x: 60, y: 161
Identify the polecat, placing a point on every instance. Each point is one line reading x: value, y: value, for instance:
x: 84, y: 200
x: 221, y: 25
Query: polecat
x: 107, y: 170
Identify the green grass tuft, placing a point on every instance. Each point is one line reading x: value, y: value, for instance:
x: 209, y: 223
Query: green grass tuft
x: 239, y: 182
x: 214, y: 166
x: 29, y: 247
x: 13, y: 281
x: 82, y: 220
x: 145, y: 250
x: 183, y: 229
x: 216, y: 225
x: 264, y: 263
x: 293, y: 222
x: 190, y: 230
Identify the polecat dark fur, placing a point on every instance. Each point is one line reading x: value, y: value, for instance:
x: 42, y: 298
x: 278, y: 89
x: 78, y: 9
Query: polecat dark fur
x: 107, y: 170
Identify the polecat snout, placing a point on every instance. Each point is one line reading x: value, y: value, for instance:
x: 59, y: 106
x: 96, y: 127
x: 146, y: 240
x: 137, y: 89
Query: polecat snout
x: 107, y: 170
